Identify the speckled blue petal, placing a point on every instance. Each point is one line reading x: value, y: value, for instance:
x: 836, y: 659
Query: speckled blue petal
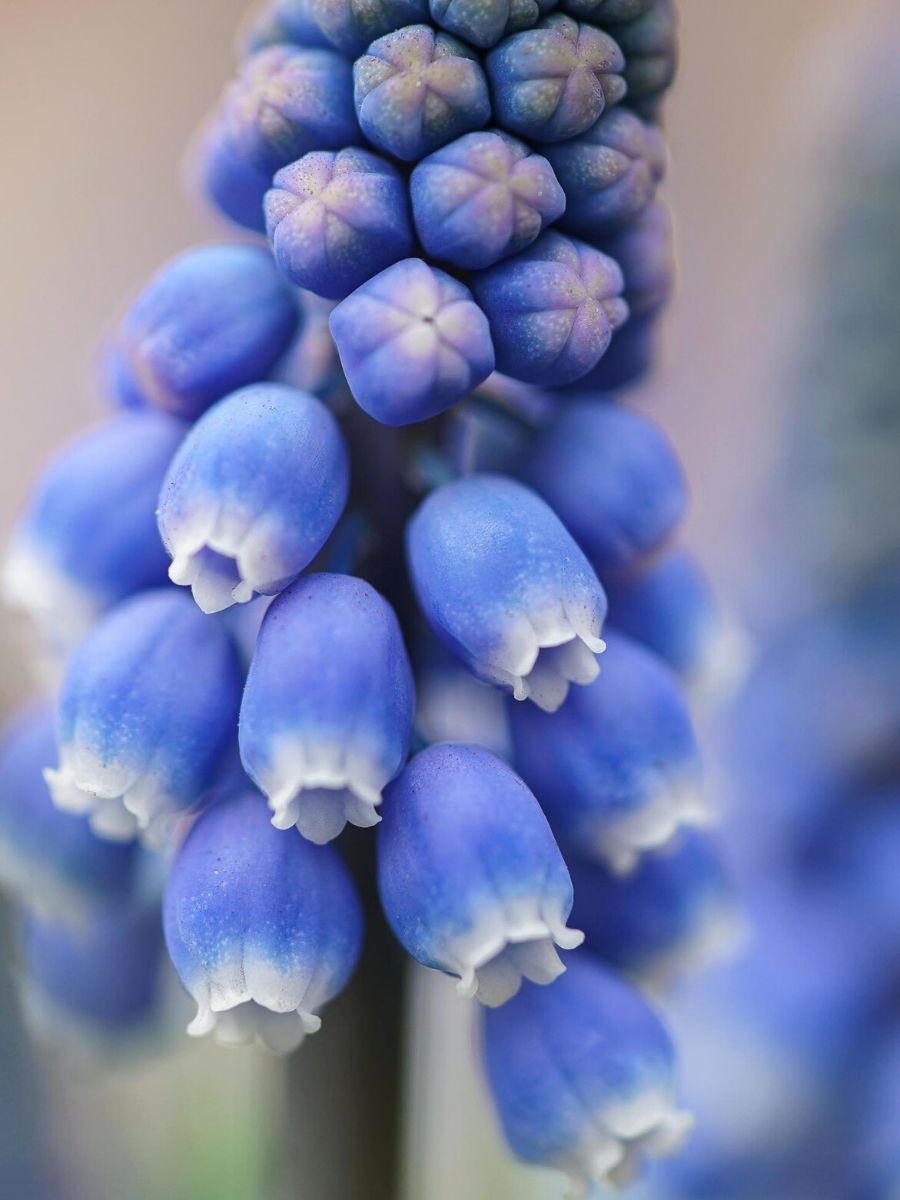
x: 553, y: 82
x: 327, y: 713
x: 213, y: 319
x: 471, y: 880
x: 263, y: 927
x: 412, y: 342
x: 352, y: 24
x: 552, y: 309
x: 613, y: 479
x: 582, y: 1074
x: 482, y: 198
x: 609, y: 174
x: 673, y: 913
x: 335, y: 220
x: 630, y: 356
x: 287, y: 101
x: 485, y: 22
x: 503, y: 584
x: 616, y: 769
x: 229, y: 181
x: 52, y: 861
x: 88, y: 536
x: 252, y: 495
x: 417, y: 89
x: 148, y: 707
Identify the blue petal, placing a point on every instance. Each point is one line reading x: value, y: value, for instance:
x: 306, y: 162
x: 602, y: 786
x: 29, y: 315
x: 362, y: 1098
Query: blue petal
x: 327, y: 712
x: 263, y: 927
x: 485, y: 22
x: 233, y: 185
x: 351, y: 25
x: 252, y: 495
x: 471, y: 880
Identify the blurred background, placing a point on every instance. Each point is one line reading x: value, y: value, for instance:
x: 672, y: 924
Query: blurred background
x: 783, y: 403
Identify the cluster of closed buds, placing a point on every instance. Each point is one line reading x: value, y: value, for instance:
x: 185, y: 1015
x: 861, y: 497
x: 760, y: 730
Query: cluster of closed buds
x: 464, y: 240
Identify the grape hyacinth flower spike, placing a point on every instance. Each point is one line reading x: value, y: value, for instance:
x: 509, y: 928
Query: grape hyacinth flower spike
x: 617, y: 768
x: 88, y: 537
x: 212, y: 320
x: 252, y: 495
x: 263, y: 927
x: 50, y: 860
x: 470, y: 878
x: 326, y: 718
x: 505, y: 587
x: 148, y: 707
x: 582, y: 1074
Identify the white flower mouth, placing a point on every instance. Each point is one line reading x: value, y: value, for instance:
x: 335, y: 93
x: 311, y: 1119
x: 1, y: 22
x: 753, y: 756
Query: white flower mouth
x: 225, y: 558
x: 62, y: 610
x: 320, y: 786
x: 620, y: 1136
x: 120, y: 802
x: 510, y: 943
x: 252, y: 1001
x: 546, y: 652
x: 621, y: 840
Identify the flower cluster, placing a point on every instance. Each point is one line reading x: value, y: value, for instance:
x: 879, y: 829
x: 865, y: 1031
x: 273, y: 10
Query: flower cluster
x: 460, y: 204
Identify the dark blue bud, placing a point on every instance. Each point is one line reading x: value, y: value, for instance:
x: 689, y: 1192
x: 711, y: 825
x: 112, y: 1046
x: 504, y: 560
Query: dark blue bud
x: 482, y: 198
x: 352, y: 24
x: 51, y: 860
x: 650, y: 45
x: 88, y: 537
x: 582, y: 1074
x: 552, y: 309
x: 337, y: 219
x: 485, y: 22
x: 630, y: 356
x: 553, y: 82
x: 673, y: 913
x: 412, y: 341
x: 417, y: 89
x: 327, y: 714
x: 252, y: 495
x: 281, y: 22
x: 229, y: 181
x: 616, y: 770
x: 613, y: 479
x: 148, y: 707
x: 212, y: 320
x: 504, y: 586
x: 644, y: 251
x: 606, y: 12
x: 288, y: 101
x: 471, y: 880
x: 263, y: 927
x: 609, y: 174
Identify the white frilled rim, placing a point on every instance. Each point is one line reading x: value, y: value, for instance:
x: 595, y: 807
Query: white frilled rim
x: 321, y: 785
x: 621, y: 840
x: 619, y: 1137
x: 547, y: 650
x: 62, y: 610
x: 225, y: 557
x: 120, y: 801
x: 248, y: 1000
x: 511, y: 942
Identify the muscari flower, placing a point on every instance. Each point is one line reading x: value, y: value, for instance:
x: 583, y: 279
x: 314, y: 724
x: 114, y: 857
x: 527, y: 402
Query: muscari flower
x: 351, y: 25
x: 481, y: 198
x: 287, y: 101
x: 613, y: 479
x: 582, y: 1074
x: 616, y: 769
x: 263, y: 927
x: 327, y: 712
x: 88, y: 537
x: 553, y: 82
x: 252, y: 495
x: 148, y: 707
x: 485, y: 22
x: 336, y: 219
x: 470, y: 878
x: 650, y: 45
x: 212, y: 320
x: 673, y: 913
x: 416, y: 89
x: 505, y: 587
x: 552, y: 309
x: 51, y: 860
x: 606, y: 12
x: 411, y: 342
x: 234, y: 185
